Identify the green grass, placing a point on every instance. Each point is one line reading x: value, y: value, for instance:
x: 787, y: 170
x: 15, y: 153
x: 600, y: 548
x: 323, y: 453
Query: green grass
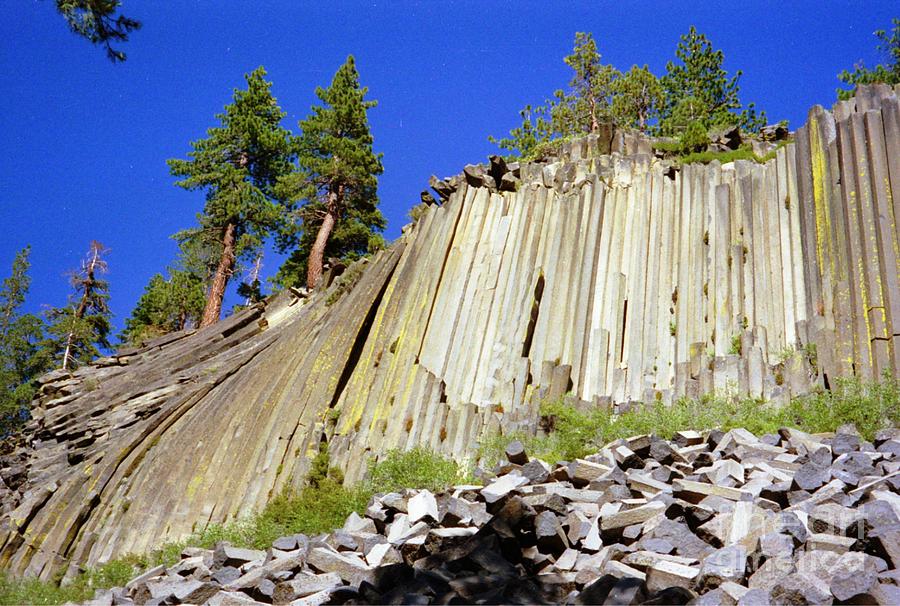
x: 679, y: 153
x: 345, y: 282
x: 325, y: 503
x: 869, y: 406
x: 32, y: 591
x: 321, y: 506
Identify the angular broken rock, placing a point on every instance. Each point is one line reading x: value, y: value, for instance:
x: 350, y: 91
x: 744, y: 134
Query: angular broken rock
x: 303, y: 585
x: 664, y: 574
x: 551, y: 538
x: 226, y: 555
x: 502, y: 486
x: 707, y: 526
x: 853, y: 574
x: 350, y: 568
x: 357, y: 523
x: 724, y: 565
x: 800, y: 588
x: 631, y: 516
x: 811, y: 476
x: 831, y: 518
x: 515, y: 453
x: 421, y: 506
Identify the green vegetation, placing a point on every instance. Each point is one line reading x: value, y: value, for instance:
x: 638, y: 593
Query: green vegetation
x: 23, y: 356
x: 695, y: 95
x: 167, y: 305
x: 637, y: 98
x: 332, y: 195
x: 321, y: 506
x: 735, y: 345
x: 346, y: 282
x: 678, y: 151
x: 887, y: 73
x: 572, y: 433
x: 237, y: 166
x: 96, y: 21
x: 698, y: 90
x: 416, y: 468
x: 78, y: 331
x: 14, y: 592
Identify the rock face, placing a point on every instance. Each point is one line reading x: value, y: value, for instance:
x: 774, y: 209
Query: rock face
x: 604, y: 272
x: 539, y: 543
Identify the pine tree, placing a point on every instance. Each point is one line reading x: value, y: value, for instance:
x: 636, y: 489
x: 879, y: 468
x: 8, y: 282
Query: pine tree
x: 588, y: 102
x: 637, y: 98
x: 22, y: 356
x: 167, y: 305
x: 96, y: 20
x: 333, y: 192
x: 80, y: 330
x: 524, y: 140
x: 237, y: 165
x: 888, y: 73
x: 579, y: 110
x: 698, y: 89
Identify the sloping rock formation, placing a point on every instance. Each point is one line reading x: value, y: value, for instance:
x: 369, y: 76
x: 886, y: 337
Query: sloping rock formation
x: 606, y: 273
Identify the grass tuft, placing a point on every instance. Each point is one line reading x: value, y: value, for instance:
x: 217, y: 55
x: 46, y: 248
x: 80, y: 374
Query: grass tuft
x: 869, y: 406
x: 321, y: 506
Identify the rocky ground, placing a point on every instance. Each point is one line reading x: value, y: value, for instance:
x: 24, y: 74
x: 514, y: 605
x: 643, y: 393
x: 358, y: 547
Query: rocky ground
x: 712, y: 518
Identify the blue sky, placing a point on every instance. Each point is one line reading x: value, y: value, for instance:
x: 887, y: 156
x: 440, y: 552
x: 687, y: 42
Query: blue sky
x: 85, y: 141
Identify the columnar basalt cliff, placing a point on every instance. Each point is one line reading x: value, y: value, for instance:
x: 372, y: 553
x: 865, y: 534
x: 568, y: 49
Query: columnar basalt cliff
x: 606, y: 274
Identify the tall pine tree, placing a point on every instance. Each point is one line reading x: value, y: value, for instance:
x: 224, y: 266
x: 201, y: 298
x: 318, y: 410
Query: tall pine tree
x: 22, y: 355
x: 237, y: 165
x: 581, y: 109
x: 638, y: 96
x: 588, y: 102
x: 334, y: 189
x: 79, y: 331
x: 698, y: 90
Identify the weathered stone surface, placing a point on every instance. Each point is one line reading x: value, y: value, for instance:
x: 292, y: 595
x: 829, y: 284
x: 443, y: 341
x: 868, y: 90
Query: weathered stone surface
x: 493, y: 300
x: 226, y: 555
x: 727, y: 564
x: 304, y: 585
x: 663, y: 575
x: 551, y: 538
x: 423, y: 506
x: 637, y: 515
x: 800, y: 588
x: 502, y: 486
x: 515, y: 453
x: 350, y: 568
x: 853, y: 574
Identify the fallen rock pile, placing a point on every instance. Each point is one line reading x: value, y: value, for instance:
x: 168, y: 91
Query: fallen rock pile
x: 713, y: 518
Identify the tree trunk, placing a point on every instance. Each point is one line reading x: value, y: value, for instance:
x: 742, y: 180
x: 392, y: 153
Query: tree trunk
x: 213, y: 308
x: 88, y: 284
x: 317, y: 254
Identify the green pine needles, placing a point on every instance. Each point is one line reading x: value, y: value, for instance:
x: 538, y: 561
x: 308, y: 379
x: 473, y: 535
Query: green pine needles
x: 332, y: 193
x: 237, y: 167
x: 79, y: 331
x: 23, y: 352
x: 887, y: 73
x: 695, y: 91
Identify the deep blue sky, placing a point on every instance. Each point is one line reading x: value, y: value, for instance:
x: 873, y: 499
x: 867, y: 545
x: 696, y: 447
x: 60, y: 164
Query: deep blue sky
x: 84, y: 141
